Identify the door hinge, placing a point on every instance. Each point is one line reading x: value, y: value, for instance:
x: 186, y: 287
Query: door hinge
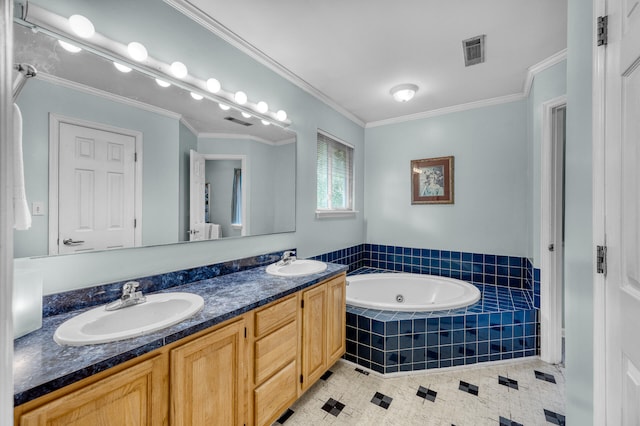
x: 245, y: 332
x: 135, y: 223
x: 135, y: 157
x: 603, y: 28
x: 601, y: 260
x: 302, y: 304
x: 301, y: 378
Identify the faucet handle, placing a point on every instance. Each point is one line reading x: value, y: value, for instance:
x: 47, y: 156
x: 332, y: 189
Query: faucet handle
x: 129, y: 287
x: 288, y: 253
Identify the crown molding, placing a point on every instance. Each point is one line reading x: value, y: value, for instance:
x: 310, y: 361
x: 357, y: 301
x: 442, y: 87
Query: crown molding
x: 541, y: 66
x: 188, y: 125
x: 206, y: 21
x: 106, y: 95
x: 447, y: 110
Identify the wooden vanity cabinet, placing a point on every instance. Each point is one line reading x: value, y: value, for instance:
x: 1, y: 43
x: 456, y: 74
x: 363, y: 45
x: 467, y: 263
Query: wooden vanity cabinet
x: 133, y: 396
x: 245, y: 371
x: 275, y: 359
x: 323, y: 328
x: 208, y: 378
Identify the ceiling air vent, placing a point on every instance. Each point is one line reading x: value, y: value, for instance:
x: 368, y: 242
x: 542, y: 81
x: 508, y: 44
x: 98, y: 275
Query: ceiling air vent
x: 238, y: 121
x: 473, y: 50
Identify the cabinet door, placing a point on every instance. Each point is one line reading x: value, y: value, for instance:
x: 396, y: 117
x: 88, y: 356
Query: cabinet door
x: 208, y: 379
x: 134, y: 396
x: 314, y: 344
x: 336, y: 319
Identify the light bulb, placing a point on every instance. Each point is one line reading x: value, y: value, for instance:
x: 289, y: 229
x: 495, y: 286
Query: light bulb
x: 240, y: 97
x: 213, y: 85
x: 137, y: 51
x: 179, y: 69
x: 265, y: 122
x: 404, y: 92
x: 81, y: 26
x: 196, y: 96
x: 224, y: 107
x: 281, y: 115
x: 246, y: 114
x: 69, y: 47
x: 262, y: 107
x: 162, y: 83
x: 121, y: 68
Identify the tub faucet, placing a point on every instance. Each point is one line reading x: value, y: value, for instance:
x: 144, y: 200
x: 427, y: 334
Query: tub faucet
x: 129, y: 297
x: 287, y: 258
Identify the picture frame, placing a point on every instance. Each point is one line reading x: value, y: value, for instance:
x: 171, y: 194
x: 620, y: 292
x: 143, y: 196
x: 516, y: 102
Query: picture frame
x: 432, y: 180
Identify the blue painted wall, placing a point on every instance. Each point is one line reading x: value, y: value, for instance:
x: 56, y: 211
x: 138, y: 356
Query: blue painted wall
x: 579, y: 231
x: 490, y: 149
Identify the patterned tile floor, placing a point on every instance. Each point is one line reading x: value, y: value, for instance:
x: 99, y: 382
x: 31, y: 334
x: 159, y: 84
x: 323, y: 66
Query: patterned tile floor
x: 523, y: 392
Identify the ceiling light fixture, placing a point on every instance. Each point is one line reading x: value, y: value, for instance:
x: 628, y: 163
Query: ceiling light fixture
x: 137, y: 51
x: 162, y: 83
x: 179, y: 69
x: 69, y: 47
x: 121, y: 68
x: 240, y: 97
x: 404, y: 92
x: 81, y: 26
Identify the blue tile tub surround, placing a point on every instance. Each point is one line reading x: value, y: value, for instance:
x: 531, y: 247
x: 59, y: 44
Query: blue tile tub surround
x: 41, y: 366
x: 532, y: 283
x: 502, y: 325
x: 73, y: 300
x: 508, y: 271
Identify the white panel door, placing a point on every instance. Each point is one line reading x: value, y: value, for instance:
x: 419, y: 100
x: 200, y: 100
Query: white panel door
x: 622, y: 214
x: 197, y: 180
x: 96, y: 208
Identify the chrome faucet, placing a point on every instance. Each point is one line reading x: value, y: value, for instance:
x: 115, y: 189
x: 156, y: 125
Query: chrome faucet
x: 129, y: 297
x: 288, y: 257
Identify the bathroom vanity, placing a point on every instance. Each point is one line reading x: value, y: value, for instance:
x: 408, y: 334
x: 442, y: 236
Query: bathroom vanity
x: 244, y: 367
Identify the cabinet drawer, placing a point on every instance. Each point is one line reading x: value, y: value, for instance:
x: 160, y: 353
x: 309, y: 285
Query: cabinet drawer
x: 275, y: 350
x: 274, y: 395
x: 273, y: 316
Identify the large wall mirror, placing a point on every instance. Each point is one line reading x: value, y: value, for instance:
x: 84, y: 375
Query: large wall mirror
x: 114, y: 160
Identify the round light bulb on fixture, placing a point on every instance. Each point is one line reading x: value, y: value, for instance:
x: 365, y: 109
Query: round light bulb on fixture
x: 213, y: 85
x: 137, y: 51
x: 121, y: 68
x: 404, y: 92
x: 82, y: 26
x: 179, y: 69
x: 224, y: 107
x: 262, y: 107
x: 246, y: 114
x: 69, y: 47
x: 240, y: 97
x: 281, y: 115
x: 196, y: 96
x: 162, y: 83
x: 265, y: 122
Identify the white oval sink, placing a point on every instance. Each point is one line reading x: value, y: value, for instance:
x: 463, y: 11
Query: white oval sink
x: 101, y: 326
x: 297, y: 268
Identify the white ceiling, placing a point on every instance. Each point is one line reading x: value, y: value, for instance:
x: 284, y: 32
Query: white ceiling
x: 350, y: 53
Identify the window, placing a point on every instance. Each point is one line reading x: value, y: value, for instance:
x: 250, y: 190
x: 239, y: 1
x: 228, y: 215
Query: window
x: 236, y: 199
x: 335, y: 176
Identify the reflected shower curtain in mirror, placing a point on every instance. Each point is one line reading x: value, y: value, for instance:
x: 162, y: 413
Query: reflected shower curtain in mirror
x: 236, y: 198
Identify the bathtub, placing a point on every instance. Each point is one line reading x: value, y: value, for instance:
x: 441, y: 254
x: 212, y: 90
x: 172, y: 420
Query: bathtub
x: 409, y: 292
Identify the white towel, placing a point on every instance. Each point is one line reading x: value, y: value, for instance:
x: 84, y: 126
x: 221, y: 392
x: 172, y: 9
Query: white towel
x: 21, y: 213
x: 215, y: 231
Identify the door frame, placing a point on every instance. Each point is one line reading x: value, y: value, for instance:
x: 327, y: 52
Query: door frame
x: 551, y: 271
x: 245, y: 184
x: 55, y: 120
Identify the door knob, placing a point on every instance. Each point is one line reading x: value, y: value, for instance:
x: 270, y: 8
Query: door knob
x: 71, y: 242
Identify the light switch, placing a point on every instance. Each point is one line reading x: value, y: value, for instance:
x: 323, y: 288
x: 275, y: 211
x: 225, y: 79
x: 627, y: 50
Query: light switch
x: 37, y: 208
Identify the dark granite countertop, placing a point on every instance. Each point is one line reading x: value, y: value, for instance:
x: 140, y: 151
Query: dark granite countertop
x: 42, y: 366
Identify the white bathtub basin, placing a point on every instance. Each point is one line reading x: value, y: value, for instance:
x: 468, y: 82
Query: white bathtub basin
x: 101, y: 326
x: 297, y: 268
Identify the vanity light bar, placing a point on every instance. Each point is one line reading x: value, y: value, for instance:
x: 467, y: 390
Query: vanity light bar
x: 40, y: 19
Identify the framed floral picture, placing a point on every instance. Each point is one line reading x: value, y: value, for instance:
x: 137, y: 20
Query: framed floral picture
x: 432, y: 181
